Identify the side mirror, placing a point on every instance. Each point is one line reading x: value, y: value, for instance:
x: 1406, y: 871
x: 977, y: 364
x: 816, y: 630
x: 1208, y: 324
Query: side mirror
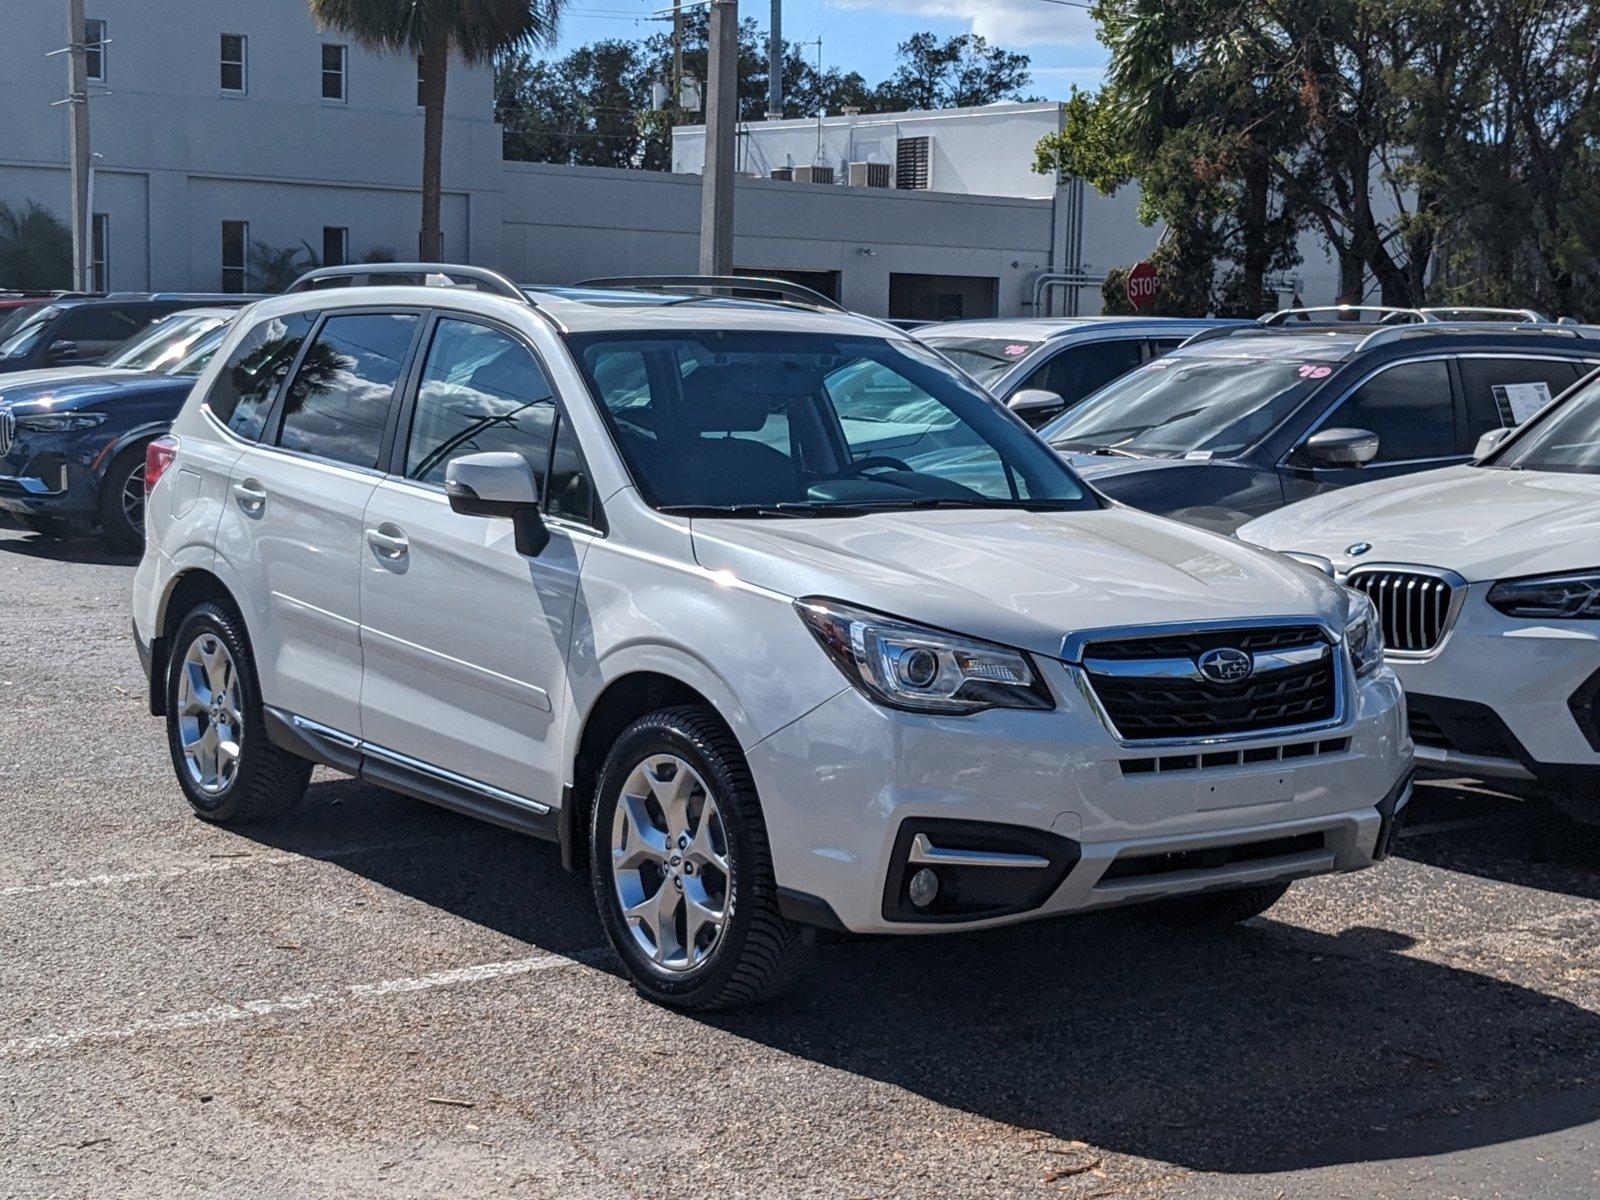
x: 499, y: 484
x: 1034, y: 405
x: 1342, y: 447
x: 61, y: 352
x: 1489, y: 441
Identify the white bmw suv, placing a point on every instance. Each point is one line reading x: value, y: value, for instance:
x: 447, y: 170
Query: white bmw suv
x: 764, y: 613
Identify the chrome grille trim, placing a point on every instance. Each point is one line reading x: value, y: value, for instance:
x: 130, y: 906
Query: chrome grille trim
x: 8, y: 430
x: 1416, y: 605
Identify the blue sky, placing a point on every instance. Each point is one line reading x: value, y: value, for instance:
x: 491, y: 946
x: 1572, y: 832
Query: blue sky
x: 860, y: 35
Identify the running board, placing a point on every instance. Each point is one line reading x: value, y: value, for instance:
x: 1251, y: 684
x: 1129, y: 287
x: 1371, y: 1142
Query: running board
x: 422, y: 781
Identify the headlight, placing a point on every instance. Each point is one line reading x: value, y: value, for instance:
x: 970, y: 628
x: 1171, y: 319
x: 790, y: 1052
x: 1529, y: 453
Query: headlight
x: 1363, y: 633
x: 1575, y: 596
x: 922, y: 670
x: 59, y: 422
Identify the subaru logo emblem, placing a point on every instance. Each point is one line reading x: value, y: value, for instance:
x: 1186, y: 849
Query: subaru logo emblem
x: 1226, y: 665
x: 1357, y: 549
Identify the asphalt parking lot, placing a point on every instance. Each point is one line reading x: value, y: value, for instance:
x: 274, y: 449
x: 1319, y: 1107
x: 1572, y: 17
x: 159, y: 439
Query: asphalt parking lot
x: 381, y: 999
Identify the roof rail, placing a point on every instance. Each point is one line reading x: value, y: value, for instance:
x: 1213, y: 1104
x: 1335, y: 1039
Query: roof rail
x: 1216, y: 333
x: 408, y: 275
x: 1388, y: 314
x: 1393, y: 333
x: 1523, y: 315
x: 781, y: 290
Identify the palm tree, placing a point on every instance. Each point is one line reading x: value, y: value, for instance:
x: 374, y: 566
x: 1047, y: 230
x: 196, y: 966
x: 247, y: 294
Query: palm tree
x: 477, y: 30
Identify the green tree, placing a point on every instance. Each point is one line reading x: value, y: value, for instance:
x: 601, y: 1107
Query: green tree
x: 964, y: 71
x: 432, y: 30
x: 590, y: 107
x: 35, y: 248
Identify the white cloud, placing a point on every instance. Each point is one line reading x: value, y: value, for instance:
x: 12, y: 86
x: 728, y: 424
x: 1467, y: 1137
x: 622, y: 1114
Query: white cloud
x: 1008, y: 23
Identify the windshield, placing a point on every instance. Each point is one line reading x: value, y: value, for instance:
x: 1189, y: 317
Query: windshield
x: 200, y: 352
x: 22, y: 336
x: 162, y: 345
x: 12, y: 318
x: 985, y: 359
x: 780, y: 424
x: 1567, y: 439
x: 1187, y: 405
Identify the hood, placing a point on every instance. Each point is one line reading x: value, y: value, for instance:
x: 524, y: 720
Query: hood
x: 1213, y: 493
x: 55, y: 375
x: 73, y: 390
x: 1022, y: 579
x: 1480, y: 522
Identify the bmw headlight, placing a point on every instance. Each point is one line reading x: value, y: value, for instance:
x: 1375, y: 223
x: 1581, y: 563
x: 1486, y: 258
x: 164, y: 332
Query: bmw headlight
x: 917, y: 669
x: 59, y: 422
x: 1363, y: 633
x: 1574, y: 596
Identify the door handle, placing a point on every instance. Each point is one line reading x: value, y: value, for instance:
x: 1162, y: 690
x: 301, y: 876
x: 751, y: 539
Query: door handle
x: 389, y: 541
x: 252, y: 497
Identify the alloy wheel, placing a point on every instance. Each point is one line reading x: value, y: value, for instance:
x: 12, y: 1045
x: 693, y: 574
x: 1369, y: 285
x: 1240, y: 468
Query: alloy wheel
x: 210, y: 714
x: 670, y: 865
x: 132, y: 499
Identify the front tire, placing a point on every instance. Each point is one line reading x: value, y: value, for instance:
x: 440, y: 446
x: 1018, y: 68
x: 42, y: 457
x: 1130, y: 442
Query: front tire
x: 216, y: 727
x: 121, y: 501
x: 682, y: 870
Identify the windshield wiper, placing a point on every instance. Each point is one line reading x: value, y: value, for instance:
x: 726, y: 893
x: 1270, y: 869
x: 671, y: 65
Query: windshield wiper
x: 780, y: 509
x: 1103, y: 451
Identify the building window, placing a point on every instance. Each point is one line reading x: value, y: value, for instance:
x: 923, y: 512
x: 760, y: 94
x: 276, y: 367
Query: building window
x: 94, y: 50
x: 235, y: 250
x: 335, y: 245
x: 913, y: 166
x: 234, y: 75
x: 420, y: 79
x: 333, y: 65
x: 100, y: 241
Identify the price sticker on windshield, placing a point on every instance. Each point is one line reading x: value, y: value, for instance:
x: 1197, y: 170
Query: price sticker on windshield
x: 1016, y: 350
x: 1315, y: 371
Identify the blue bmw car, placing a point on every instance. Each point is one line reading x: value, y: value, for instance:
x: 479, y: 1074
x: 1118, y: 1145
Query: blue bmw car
x: 72, y: 439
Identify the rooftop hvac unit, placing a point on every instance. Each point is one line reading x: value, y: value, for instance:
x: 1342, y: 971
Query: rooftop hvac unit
x: 871, y: 174
x: 785, y: 174
x: 813, y: 174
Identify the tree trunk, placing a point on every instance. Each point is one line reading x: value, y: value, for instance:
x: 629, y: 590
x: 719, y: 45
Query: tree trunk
x: 435, y: 65
x: 1256, y: 252
x: 1352, y: 276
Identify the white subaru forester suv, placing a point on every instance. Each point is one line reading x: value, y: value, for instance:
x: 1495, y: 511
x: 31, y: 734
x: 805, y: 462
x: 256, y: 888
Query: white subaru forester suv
x: 768, y: 615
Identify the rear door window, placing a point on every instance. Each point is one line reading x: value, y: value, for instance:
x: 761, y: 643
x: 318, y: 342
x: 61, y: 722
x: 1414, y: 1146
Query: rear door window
x: 338, y: 405
x: 1503, y: 392
x: 248, y: 383
x: 97, y: 328
x: 1077, y: 371
x: 1411, y: 408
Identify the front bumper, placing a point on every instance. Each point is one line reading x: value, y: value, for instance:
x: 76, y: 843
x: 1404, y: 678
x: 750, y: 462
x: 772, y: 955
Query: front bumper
x: 1504, y: 698
x: 847, y: 787
x: 51, y: 475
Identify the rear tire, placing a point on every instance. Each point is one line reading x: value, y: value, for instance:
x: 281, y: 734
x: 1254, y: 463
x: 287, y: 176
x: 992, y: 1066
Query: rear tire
x: 216, y: 727
x: 682, y: 869
x: 121, y: 501
x: 1221, y: 908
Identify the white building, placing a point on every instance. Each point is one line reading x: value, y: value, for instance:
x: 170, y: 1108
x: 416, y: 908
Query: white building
x: 221, y: 123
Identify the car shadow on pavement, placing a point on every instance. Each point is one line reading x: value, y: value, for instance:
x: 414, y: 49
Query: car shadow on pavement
x: 1264, y: 1047
x: 1501, y: 837
x: 89, y: 551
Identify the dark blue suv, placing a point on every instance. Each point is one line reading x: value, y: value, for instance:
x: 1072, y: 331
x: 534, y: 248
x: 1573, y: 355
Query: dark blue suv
x: 72, y: 440
x: 83, y: 329
x: 1239, y: 422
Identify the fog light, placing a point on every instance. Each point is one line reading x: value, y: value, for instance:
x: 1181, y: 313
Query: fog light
x: 923, y: 888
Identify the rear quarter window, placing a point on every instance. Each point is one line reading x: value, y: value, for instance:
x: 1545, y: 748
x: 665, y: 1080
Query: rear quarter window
x: 1502, y: 391
x: 249, y: 382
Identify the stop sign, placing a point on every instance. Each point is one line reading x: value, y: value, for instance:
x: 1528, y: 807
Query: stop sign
x: 1142, y: 286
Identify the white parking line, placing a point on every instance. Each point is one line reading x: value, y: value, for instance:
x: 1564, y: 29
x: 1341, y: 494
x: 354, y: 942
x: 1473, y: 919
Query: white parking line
x: 250, y: 1009
x: 185, y: 870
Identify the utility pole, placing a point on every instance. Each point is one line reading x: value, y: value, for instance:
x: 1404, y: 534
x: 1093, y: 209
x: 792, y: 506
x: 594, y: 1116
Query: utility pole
x: 775, y: 64
x: 675, y: 100
x: 78, y: 147
x: 722, y: 115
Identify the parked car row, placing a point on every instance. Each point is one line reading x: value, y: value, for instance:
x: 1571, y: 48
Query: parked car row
x: 765, y: 612
x: 787, y: 625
